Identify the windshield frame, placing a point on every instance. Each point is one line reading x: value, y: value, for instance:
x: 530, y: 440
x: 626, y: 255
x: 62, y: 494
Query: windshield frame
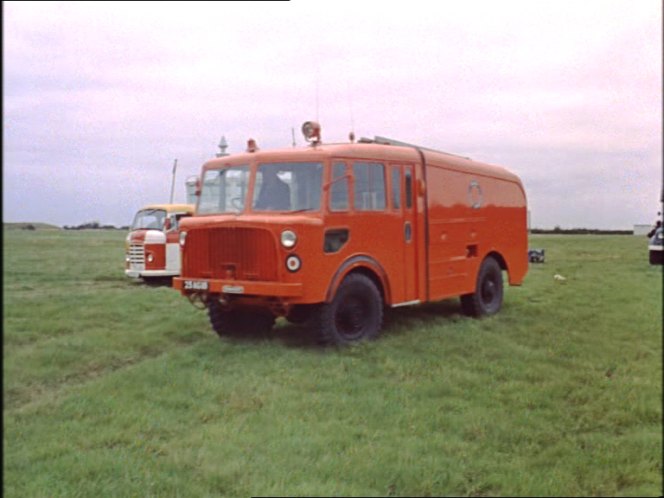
x: 249, y: 196
x: 231, y: 202
x: 314, y: 166
x: 142, y: 212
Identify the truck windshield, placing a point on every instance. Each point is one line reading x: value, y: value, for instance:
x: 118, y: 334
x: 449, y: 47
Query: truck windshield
x: 149, y: 219
x: 288, y: 187
x: 224, y: 190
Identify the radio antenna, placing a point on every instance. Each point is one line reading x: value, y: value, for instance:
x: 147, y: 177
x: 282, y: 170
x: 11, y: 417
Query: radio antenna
x: 175, y: 165
x: 352, y: 116
x: 317, y: 90
x: 317, y: 100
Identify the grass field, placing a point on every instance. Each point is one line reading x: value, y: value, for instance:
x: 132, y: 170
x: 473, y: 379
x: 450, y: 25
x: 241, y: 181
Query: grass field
x: 117, y: 388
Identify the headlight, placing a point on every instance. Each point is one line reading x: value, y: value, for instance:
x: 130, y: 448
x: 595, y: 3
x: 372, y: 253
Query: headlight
x: 293, y: 263
x: 288, y: 239
x: 150, y: 258
x: 183, y: 238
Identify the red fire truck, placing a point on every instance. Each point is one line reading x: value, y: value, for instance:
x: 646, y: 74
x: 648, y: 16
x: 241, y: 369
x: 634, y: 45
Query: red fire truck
x: 332, y: 233
x: 152, y: 246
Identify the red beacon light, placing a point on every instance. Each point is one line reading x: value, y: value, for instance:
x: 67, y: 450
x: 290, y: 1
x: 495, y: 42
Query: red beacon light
x: 251, y: 145
x: 311, y: 132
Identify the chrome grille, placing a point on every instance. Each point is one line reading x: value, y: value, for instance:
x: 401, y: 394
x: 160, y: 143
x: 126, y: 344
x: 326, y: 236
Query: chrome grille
x: 136, y: 254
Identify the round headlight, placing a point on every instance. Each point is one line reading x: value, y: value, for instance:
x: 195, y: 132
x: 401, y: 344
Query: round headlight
x: 293, y: 263
x: 288, y: 239
x: 150, y: 258
x: 183, y: 237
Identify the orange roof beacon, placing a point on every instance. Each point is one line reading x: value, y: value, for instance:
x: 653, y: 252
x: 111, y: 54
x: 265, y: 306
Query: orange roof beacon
x: 332, y: 233
x: 152, y: 247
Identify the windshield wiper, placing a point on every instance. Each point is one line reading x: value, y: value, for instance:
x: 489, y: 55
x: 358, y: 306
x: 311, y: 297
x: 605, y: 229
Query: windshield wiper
x: 301, y: 210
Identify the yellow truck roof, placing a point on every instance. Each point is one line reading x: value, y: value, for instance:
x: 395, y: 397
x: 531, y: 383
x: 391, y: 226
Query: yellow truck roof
x: 171, y: 208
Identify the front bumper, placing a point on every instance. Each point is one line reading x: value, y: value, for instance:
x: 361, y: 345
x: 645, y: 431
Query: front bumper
x: 237, y: 287
x: 149, y: 273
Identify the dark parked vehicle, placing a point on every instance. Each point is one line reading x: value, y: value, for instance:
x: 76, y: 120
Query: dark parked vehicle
x: 656, y: 247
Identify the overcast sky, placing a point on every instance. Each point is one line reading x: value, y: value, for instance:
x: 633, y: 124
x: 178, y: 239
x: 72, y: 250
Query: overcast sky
x: 100, y: 98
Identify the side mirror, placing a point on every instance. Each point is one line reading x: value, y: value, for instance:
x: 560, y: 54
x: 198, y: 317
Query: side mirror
x: 167, y: 224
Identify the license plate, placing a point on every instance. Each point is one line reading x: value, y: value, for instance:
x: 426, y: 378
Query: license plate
x: 195, y: 285
x: 233, y: 289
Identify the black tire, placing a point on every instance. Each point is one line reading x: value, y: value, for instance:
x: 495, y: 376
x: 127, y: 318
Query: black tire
x: 488, y: 296
x: 354, y: 315
x: 239, y: 322
x: 655, y: 257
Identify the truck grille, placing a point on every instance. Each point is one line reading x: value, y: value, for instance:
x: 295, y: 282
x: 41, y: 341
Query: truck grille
x: 136, y: 254
x: 231, y: 253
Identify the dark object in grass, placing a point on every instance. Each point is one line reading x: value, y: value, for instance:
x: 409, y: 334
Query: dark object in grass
x: 536, y: 255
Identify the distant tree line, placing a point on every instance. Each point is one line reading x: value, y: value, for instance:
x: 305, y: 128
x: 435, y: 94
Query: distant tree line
x: 94, y: 225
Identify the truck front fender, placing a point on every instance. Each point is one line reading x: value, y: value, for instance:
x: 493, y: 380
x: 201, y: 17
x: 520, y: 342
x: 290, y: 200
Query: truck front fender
x: 362, y: 264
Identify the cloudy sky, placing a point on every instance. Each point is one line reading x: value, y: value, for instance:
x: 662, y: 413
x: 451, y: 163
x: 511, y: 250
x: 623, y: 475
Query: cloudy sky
x: 100, y: 98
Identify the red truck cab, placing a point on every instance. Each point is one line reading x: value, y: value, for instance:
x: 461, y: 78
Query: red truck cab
x: 333, y: 233
x: 152, y: 247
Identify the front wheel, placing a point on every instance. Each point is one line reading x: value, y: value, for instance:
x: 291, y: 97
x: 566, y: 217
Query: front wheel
x: 355, y: 314
x: 488, y: 296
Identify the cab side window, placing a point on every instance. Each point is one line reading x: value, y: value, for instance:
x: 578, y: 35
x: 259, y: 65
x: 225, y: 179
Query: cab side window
x: 396, y: 187
x: 369, y: 186
x: 409, y: 188
x: 175, y: 220
x: 339, y: 188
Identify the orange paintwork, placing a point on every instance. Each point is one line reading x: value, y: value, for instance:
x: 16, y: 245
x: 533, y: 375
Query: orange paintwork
x: 461, y: 211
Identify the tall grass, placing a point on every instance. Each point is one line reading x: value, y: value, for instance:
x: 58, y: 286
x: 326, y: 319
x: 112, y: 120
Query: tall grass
x: 117, y: 388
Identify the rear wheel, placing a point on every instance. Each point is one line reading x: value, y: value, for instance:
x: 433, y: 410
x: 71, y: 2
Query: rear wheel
x: 355, y: 314
x: 488, y: 296
x: 656, y: 257
x: 239, y: 322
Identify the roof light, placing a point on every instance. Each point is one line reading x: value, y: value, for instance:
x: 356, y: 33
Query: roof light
x: 311, y: 132
x: 251, y: 145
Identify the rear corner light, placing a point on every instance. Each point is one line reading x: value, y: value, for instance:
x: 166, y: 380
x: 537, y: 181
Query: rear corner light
x: 293, y: 263
x: 183, y: 238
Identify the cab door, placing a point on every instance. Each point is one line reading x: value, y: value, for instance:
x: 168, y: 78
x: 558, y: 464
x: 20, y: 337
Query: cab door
x: 403, y: 201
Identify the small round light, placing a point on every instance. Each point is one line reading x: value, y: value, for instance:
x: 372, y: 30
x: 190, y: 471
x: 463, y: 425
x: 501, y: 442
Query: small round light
x: 288, y: 239
x: 293, y: 263
x: 183, y: 238
x: 150, y: 258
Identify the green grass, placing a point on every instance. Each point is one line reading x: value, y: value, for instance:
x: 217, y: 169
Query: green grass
x: 116, y: 388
